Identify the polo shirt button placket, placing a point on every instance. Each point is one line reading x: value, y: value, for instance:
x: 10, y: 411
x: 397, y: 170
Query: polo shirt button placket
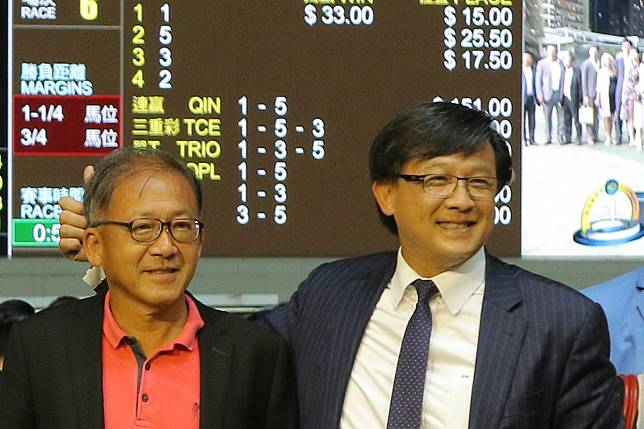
x: 145, y: 397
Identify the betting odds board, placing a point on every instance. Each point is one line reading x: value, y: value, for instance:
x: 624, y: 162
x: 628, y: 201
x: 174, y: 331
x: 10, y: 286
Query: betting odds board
x: 273, y: 105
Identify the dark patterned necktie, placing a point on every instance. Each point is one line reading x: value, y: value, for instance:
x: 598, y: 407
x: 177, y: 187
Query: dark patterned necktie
x: 406, y: 407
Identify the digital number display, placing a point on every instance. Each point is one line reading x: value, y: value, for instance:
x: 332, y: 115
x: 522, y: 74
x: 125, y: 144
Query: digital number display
x: 273, y: 105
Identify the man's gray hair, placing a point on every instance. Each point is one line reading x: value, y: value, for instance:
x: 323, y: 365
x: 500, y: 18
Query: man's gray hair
x: 124, y: 163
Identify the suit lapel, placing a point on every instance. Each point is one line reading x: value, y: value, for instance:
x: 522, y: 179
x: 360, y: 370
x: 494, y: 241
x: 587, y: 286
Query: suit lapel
x: 215, y: 359
x: 85, y: 360
x: 501, y: 335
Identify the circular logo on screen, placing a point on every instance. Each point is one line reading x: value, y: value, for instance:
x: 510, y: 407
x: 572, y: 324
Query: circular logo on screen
x: 610, y: 216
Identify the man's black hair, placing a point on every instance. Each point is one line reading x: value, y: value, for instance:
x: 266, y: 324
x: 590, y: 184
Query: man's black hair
x: 429, y: 130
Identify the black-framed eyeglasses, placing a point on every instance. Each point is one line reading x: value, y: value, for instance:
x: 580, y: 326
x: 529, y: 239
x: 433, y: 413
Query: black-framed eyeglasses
x: 443, y: 185
x: 146, y: 230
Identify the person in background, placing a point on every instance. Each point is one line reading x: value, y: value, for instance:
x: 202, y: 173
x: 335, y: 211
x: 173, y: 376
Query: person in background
x: 142, y: 352
x: 622, y: 299
x: 638, y: 111
x: 622, y: 68
x: 605, y: 95
x: 529, y: 97
x: 631, y: 95
x: 11, y: 312
x: 589, y: 70
x: 549, y: 86
x: 572, y: 98
x: 62, y: 300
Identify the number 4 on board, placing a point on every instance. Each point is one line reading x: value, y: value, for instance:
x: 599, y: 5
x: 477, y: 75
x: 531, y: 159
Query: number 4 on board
x: 137, y: 79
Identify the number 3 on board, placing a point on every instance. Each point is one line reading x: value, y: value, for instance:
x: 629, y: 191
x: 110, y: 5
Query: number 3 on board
x: 89, y: 9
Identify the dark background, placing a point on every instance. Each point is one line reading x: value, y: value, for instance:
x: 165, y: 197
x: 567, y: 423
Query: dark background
x: 353, y: 77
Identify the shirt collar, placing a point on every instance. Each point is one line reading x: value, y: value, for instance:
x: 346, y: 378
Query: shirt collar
x: 115, y: 335
x: 455, y: 286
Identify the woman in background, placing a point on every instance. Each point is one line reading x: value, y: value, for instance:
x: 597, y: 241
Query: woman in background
x: 631, y: 95
x: 605, y: 99
x: 638, y: 108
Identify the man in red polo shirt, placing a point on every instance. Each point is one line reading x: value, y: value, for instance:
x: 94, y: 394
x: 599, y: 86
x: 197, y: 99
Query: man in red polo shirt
x: 143, y: 353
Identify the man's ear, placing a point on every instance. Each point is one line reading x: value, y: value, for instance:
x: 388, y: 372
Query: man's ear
x: 385, y: 194
x: 93, y: 245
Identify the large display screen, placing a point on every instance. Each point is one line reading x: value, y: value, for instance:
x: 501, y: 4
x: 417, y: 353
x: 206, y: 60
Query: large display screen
x: 274, y: 105
x: 583, y: 184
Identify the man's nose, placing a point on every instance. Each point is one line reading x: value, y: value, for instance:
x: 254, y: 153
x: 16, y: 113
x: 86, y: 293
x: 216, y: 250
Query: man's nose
x: 461, y: 197
x: 164, y: 245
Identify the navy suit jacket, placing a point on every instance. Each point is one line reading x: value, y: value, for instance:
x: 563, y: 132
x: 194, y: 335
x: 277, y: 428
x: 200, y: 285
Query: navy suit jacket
x: 621, y: 71
x: 575, y: 87
x: 542, y: 359
x: 524, y: 86
x: 622, y: 299
x: 53, y: 376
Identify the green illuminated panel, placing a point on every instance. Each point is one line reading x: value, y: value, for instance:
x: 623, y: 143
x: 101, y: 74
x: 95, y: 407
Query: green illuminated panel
x: 35, y: 232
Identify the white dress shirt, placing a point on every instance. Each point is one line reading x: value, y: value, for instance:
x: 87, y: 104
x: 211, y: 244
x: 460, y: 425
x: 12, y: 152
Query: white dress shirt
x: 567, y: 87
x: 555, y: 74
x: 527, y: 72
x: 456, y: 316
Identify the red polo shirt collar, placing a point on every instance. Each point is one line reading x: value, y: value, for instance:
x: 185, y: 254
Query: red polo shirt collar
x: 115, y: 335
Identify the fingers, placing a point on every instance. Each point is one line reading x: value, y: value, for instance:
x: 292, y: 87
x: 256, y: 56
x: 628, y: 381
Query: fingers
x: 72, y: 248
x: 73, y: 224
x: 88, y: 172
x: 73, y: 212
x: 72, y: 229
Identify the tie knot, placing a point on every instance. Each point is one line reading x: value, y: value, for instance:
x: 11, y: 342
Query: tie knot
x: 426, y: 289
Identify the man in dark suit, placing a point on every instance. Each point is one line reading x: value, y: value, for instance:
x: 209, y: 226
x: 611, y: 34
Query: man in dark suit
x: 529, y: 97
x: 507, y: 348
x: 143, y: 352
x: 549, y: 87
x: 489, y: 345
x: 589, y: 69
x: 572, y: 98
x: 621, y: 64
